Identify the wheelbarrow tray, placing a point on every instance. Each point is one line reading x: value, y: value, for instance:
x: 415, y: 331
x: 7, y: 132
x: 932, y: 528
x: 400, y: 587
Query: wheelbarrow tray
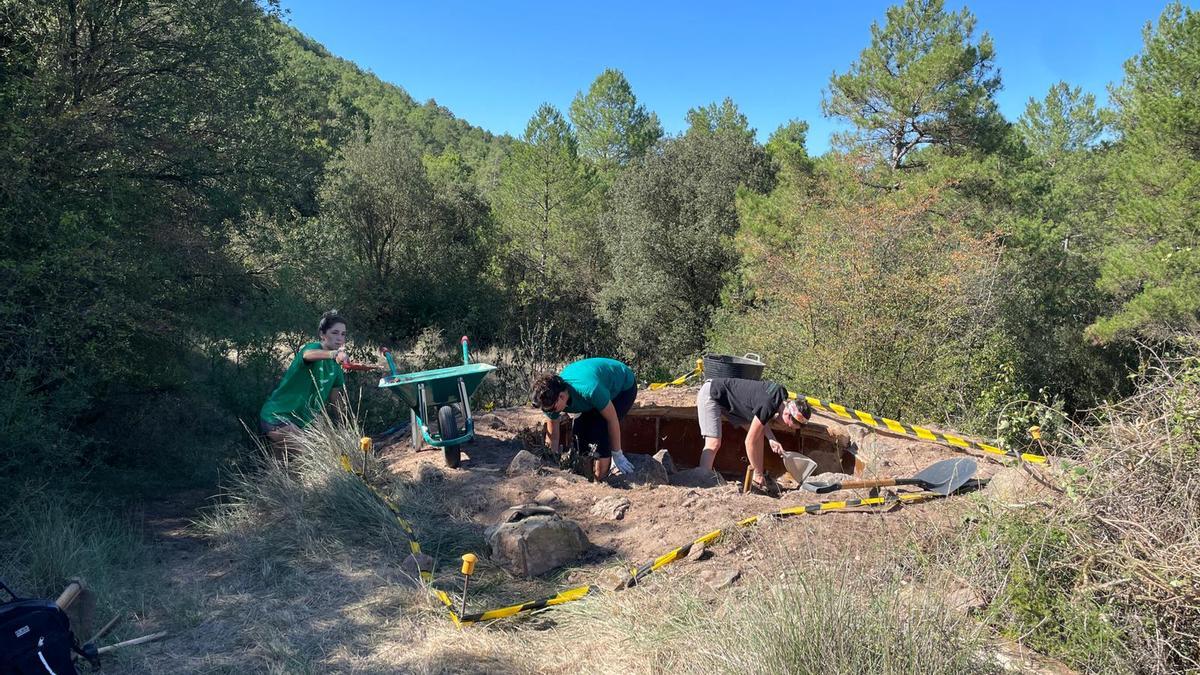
x: 441, y: 384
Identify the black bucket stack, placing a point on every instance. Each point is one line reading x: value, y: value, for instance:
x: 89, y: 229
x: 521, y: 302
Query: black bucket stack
x: 748, y: 367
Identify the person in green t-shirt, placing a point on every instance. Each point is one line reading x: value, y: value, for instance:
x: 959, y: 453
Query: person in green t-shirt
x: 601, y: 391
x: 314, y: 374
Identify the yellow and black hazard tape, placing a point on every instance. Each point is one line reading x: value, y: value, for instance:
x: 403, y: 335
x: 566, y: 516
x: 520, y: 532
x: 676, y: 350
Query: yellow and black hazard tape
x: 413, y: 545
x: 920, y: 433
x: 564, y: 597
x: 637, y: 574
x: 884, y: 424
x: 682, y: 379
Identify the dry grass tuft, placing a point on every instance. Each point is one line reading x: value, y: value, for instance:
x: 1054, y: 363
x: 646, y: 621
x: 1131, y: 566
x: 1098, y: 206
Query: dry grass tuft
x: 805, y: 620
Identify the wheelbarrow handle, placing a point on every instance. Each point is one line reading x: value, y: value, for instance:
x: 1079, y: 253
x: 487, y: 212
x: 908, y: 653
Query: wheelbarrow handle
x: 387, y: 354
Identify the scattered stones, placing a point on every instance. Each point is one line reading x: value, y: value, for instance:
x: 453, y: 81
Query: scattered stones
x: 612, y: 507
x: 830, y: 477
x: 664, y: 457
x: 647, y: 470
x: 413, y: 565
x: 719, y: 579
x: 528, y: 545
x: 546, y: 497
x: 612, y: 580
x: 698, y: 552
x: 698, y: 478
x: 1013, y: 486
x: 524, y: 462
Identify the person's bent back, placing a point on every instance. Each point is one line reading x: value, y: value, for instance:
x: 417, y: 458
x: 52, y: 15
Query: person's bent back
x: 601, y: 391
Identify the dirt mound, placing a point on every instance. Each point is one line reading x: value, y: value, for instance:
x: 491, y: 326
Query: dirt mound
x: 661, y: 517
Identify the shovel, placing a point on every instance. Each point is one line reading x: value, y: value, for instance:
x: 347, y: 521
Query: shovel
x: 798, y: 466
x: 941, y: 478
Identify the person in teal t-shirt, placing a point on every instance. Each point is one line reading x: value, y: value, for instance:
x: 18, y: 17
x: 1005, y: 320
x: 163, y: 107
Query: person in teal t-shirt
x: 601, y: 391
x: 314, y: 374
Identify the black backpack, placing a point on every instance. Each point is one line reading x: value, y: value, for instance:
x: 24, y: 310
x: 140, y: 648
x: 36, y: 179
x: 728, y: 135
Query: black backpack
x: 35, y: 637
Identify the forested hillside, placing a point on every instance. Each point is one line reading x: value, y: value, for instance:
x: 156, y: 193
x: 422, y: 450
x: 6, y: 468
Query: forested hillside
x: 170, y: 198
x: 185, y: 187
x: 175, y: 194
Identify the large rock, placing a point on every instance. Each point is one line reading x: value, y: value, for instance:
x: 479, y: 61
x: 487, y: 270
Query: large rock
x: 664, y: 457
x: 647, y: 470
x: 525, y: 462
x: 531, y: 540
x: 865, y: 446
x: 1013, y: 486
x: 698, y: 552
x: 613, y: 580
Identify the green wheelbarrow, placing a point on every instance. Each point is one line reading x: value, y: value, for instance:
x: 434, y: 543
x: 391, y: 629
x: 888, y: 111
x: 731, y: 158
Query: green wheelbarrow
x: 441, y: 392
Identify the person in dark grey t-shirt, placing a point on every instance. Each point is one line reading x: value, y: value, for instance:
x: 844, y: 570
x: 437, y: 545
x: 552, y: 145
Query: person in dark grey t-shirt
x: 749, y: 403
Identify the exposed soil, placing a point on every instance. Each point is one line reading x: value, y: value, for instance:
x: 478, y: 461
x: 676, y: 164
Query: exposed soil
x: 342, y: 622
x: 661, y: 517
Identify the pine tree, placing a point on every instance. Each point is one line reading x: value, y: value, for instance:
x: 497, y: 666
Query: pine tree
x: 922, y: 81
x: 1152, y: 258
x: 612, y: 127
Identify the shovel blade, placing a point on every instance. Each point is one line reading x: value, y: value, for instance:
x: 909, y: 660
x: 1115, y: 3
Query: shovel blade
x: 798, y: 466
x: 941, y: 478
x: 948, y: 475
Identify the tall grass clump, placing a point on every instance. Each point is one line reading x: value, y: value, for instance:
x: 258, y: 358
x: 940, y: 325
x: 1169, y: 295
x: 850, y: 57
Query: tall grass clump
x: 808, y: 620
x: 1108, y: 576
x: 50, y: 538
x: 302, y: 505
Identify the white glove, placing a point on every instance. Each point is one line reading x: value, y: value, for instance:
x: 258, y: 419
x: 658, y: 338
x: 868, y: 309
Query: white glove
x: 623, y: 465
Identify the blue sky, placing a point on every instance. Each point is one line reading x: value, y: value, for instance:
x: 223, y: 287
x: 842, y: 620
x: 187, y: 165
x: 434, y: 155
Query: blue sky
x: 494, y: 63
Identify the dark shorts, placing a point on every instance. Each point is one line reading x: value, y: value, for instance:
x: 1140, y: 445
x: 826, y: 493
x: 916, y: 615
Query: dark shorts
x: 591, y: 429
x: 265, y: 427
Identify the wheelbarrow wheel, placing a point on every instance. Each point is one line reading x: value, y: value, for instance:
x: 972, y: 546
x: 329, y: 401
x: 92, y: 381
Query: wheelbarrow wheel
x: 448, y: 424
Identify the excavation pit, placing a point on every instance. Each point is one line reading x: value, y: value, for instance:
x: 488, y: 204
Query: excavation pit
x: 648, y: 429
